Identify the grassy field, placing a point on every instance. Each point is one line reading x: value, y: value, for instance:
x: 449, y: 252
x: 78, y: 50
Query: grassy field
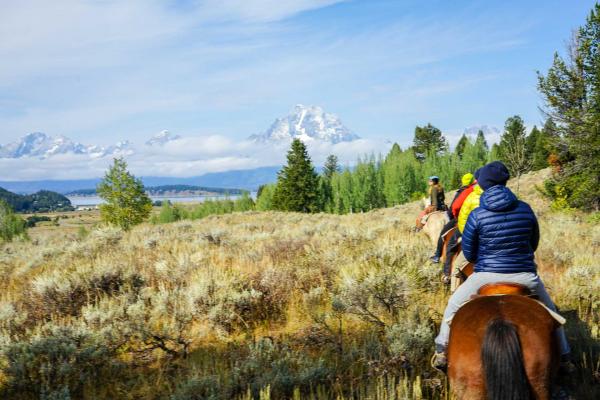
x: 257, y: 305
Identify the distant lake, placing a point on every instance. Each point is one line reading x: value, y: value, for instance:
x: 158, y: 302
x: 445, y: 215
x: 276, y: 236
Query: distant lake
x: 95, y: 200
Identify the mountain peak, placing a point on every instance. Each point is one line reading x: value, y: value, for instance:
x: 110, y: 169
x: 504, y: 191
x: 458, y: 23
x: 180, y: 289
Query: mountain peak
x: 487, y: 130
x: 307, y: 123
x: 41, y: 145
x: 162, y: 138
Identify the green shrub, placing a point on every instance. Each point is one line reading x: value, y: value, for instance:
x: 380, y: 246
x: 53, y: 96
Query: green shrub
x: 62, y: 364
x: 11, y: 225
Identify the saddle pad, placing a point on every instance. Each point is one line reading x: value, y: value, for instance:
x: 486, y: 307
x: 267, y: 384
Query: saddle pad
x: 426, y: 216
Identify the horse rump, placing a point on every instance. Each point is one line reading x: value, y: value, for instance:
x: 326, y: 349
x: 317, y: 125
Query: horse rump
x: 502, y: 359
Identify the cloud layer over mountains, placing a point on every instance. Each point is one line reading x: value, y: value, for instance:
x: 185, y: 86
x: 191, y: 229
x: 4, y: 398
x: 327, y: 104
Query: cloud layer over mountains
x: 41, y: 156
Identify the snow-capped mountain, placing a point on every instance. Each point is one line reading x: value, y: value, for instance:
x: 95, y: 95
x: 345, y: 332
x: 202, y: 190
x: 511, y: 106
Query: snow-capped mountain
x: 41, y: 145
x: 162, y: 138
x: 307, y: 123
x: 488, y: 131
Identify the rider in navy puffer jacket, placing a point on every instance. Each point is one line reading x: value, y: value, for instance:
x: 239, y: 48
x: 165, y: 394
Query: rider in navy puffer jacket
x: 501, y: 234
x: 500, y: 237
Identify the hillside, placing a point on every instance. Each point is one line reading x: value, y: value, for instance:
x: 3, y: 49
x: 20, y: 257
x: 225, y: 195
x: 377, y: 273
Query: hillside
x: 284, y: 303
x: 42, y: 201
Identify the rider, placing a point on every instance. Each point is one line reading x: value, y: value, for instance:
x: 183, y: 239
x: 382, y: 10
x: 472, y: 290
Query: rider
x: 500, y: 238
x: 436, y: 199
x: 469, y: 204
x: 436, y: 194
x: 462, y: 192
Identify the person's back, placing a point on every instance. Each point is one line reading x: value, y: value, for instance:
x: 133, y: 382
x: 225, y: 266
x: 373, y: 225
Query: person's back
x: 470, y: 203
x: 436, y: 194
x: 507, y: 233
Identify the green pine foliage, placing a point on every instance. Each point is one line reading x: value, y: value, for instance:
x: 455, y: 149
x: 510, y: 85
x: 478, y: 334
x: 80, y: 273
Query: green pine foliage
x: 126, y: 202
x: 11, y: 225
x: 428, y: 139
x: 460, y: 146
x: 367, y: 185
x: 297, y: 183
x: 571, y: 89
x: 514, y: 147
x: 331, y: 166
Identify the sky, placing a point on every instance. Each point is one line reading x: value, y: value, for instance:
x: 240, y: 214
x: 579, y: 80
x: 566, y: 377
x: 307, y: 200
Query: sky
x: 103, y: 71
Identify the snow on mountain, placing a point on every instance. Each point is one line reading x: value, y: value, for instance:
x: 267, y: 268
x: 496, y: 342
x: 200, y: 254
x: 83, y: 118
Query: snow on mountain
x: 162, y: 138
x: 488, y: 131
x: 41, y: 145
x: 307, y: 123
x: 124, y: 147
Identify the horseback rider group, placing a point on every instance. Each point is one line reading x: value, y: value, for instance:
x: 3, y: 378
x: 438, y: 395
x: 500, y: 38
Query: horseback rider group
x: 499, y: 236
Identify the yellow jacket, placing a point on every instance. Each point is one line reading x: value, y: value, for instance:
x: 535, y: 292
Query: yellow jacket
x: 471, y: 203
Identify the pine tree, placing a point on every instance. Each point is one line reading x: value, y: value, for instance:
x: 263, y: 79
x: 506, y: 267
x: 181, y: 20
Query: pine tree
x: 460, y: 146
x: 547, y: 144
x: 531, y: 140
x: 428, y: 138
x: 126, y: 203
x: 494, y: 154
x: 572, y: 92
x: 297, y: 183
x: 481, y: 148
x: 513, y: 148
x: 331, y: 166
x: 481, y: 140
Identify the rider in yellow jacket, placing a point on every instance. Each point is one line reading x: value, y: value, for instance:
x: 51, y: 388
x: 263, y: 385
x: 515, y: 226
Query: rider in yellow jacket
x: 471, y: 203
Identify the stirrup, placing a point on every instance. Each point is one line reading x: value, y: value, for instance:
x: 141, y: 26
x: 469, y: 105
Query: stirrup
x: 440, y: 366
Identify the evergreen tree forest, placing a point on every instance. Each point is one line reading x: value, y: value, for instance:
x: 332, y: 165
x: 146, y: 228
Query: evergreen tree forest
x: 571, y: 90
x: 401, y: 175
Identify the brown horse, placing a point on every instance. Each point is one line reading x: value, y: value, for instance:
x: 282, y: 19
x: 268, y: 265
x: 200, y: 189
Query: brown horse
x: 502, y: 348
x: 466, y: 268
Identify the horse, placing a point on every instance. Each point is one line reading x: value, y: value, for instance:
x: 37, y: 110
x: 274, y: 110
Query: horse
x: 460, y: 268
x: 433, y: 223
x: 502, y: 348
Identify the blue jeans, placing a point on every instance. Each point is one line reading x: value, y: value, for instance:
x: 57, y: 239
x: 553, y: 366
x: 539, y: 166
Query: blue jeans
x: 477, y: 280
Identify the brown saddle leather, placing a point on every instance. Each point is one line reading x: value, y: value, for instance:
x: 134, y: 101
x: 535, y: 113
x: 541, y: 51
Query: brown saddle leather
x: 498, y: 288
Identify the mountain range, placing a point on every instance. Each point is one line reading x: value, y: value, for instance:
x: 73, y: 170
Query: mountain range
x: 311, y: 124
x: 307, y: 123
x: 41, y: 145
x: 488, y: 131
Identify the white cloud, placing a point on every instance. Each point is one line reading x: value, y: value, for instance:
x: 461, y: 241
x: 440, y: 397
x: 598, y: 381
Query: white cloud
x: 261, y: 10
x: 112, y: 68
x: 185, y: 157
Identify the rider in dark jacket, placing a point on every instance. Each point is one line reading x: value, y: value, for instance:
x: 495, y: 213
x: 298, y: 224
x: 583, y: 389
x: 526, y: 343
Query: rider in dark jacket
x: 500, y: 238
x: 502, y: 234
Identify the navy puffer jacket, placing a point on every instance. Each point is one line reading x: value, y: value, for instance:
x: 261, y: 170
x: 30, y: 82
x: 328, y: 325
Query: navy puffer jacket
x: 501, y: 234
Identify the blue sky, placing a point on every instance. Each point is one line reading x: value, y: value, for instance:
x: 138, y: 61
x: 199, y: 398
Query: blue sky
x: 103, y: 71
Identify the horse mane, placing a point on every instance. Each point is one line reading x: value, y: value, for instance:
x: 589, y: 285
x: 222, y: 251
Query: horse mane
x: 502, y: 359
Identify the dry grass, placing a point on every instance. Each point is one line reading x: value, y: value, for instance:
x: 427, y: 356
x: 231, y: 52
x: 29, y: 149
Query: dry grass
x: 321, y: 305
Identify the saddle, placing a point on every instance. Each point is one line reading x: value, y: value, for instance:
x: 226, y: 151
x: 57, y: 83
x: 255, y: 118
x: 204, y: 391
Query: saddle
x: 502, y: 288
x: 510, y: 288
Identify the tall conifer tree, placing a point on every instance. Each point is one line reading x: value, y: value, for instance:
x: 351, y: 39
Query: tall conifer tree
x: 297, y: 183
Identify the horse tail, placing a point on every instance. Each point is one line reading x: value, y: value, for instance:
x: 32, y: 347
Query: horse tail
x: 502, y: 360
